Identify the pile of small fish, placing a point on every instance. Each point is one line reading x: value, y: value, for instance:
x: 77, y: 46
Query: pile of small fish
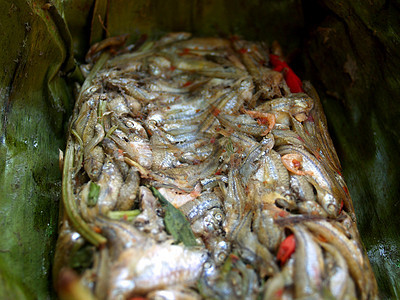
x: 202, y: 168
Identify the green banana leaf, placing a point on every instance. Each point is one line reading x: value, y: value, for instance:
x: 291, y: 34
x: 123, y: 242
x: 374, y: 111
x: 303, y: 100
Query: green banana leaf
x: 348, y: 50
x: 35, y: 102
x: 353, y: 55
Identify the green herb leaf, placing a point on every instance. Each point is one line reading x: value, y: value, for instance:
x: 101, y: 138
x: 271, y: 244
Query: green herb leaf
x: 70, y: 204
x: 101, y: 110
x: 176, y: 223
x: 94, y: 191
x: 127, y: 215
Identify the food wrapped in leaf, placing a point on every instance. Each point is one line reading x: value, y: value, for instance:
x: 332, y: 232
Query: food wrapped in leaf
x: 202, y: 168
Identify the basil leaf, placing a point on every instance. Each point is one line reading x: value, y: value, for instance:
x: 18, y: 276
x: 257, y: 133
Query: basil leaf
x: 94, y: 191
x: 175, y: 221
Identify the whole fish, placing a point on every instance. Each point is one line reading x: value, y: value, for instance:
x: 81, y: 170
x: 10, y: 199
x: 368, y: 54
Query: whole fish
x: 308, y: 265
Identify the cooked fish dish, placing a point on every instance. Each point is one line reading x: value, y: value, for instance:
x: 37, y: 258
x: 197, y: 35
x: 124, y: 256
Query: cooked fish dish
x: 202, y: 168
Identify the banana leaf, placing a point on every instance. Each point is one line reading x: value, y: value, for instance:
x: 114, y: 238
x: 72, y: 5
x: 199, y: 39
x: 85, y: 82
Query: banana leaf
x: 347, y: 48
x: 35, y: 102
x: 353, y: 55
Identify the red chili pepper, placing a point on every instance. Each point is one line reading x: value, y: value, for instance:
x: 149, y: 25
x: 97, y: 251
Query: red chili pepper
x: 243, y: 50
x: 341, y: 207
x: 286, y: 249
x: 277, y: 62
x: 172, y: 68
x: 346, y: 190
x: 293, y: 82
x: 279, y: 68
x: 187, y: 83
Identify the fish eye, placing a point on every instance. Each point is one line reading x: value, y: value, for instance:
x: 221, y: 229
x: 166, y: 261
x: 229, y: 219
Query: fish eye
x: 152, y: 123
x: 221, y: 256
x: 218, y: 216
x: 207, y: 265
x: 159, y: 212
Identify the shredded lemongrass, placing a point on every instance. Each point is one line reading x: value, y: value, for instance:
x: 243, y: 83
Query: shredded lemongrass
x: 80, y: 158
x: 111, y: 130
x: 78, y: 138
x: 101, y: 111
x: 70, y: 205
x: 127, y: 215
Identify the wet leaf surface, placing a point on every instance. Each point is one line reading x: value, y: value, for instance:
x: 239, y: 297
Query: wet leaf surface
x: 175, y: 222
